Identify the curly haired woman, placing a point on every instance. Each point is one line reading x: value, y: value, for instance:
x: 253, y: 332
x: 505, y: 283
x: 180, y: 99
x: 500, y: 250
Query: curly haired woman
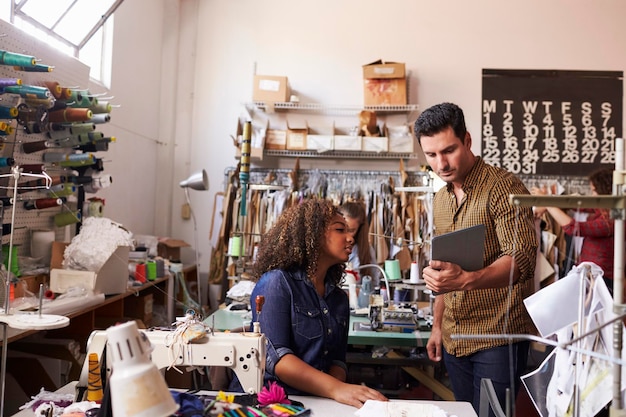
x: 305, y: 316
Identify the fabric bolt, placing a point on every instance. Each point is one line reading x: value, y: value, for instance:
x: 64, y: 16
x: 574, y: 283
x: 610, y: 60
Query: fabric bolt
x: 508, y: 231
x: 295, y: 319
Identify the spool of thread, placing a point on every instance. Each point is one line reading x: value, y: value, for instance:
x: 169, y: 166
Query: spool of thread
x: 235, y: 246
x: 78, y: 128
x: 62, y: 190
x: 35, y: 68
x: 101, y: 107
x: 43, y: 203
x: 140, y: 272
x: 93, y: 208
x: 32, y: 147
x: 55, y: 88
x: 41, y: 244
x: 401, y: 295
x: 33, y: 168
x: 15, y: 268
x: 414, y: 276
x: 7, y: 162
x: 94, y: 380
x: 160, y: 268
x: 28, y: 91
x: 8, y: 112
x: 66, y: 218
x: 91, y: 160
x: 5, y: 82
x: 392, y: 269
x: 354, y: 303
x: 151, y: 270
x: 15, y: 59
x: 100, y: 118
x: 70, y: 115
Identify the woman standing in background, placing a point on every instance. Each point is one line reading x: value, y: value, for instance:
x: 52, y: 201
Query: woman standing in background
x: 356, y: 219
x: 597, y: 230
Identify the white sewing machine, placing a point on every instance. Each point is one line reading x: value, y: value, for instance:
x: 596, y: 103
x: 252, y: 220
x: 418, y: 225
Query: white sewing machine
x: 244, y: 353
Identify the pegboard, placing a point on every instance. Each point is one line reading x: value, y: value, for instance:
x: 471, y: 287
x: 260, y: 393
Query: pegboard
x: 68, y: 72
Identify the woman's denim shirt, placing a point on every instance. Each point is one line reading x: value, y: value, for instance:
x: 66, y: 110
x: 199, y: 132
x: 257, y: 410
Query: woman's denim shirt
x: 295, y: 319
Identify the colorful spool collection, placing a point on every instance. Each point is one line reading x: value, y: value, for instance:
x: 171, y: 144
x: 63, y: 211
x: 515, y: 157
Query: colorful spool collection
x: 66, y: 120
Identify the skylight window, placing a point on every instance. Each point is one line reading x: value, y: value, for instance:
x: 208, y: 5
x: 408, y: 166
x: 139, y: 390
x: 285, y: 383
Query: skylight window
x: 81, y: 28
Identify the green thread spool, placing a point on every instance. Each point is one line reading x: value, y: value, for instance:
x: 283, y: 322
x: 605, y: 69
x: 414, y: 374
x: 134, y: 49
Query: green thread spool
x: 235, y: 248
x: 66, y: 218
x: 15, y: 267
x: 151, y: 270
x: 392, y: 269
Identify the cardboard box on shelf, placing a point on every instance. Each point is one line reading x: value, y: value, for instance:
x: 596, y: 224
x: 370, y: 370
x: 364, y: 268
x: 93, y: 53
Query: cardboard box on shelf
x: 169, y: 248
x: 401, y: 138
x: 297, y: 137
x: 270, y: 88
x: 320, y: 138
x: 384, y: 83
x: 276, y: 139
x: 376, y: 144
x: 346, y: 141
x: 111, y: 278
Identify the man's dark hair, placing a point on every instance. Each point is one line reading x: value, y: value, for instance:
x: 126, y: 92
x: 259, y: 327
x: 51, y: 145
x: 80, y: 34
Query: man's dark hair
x: 439, y: 117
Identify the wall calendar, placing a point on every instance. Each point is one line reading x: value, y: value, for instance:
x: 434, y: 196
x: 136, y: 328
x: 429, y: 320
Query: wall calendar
x: 551, y: 122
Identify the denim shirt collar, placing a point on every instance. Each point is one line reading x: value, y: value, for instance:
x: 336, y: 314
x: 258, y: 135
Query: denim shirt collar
x: 301, y: 275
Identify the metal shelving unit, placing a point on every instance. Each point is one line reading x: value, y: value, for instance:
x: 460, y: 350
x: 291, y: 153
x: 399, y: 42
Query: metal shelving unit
x: 333, y: 109
x: 336, y: 110
x: 340, y: 154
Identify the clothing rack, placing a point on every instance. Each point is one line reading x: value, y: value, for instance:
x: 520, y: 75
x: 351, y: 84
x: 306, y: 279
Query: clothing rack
x: 400, y: 221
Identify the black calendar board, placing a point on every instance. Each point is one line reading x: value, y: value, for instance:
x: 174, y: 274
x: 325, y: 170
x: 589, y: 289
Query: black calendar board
x: 551, y: 122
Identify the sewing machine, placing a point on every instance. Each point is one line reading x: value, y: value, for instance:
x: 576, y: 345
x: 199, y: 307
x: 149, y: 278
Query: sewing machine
x: 244, y: 353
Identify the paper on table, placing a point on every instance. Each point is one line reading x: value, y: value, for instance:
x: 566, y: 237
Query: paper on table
x: 373, y: 408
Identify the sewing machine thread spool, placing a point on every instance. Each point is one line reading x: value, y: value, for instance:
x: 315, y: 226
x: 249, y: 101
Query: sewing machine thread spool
x: 401, y: 295
x: 392, y: 269
x: 94, y: 384
x: 414, y: 276
x: 235, y: 247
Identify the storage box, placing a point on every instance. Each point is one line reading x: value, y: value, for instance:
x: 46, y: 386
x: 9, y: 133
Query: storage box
x: 346, y: 141
x: 276, y: 139
x: 296, y: 137
x: 376, y: 144
x: 384, y: 83
x: 168, y: 248
x: 401, y: 139
x: 270, y: 88
x: 320, y: 138
x: 112, y: 278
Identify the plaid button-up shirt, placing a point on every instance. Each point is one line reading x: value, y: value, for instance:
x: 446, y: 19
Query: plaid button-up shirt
x: 509, y: 230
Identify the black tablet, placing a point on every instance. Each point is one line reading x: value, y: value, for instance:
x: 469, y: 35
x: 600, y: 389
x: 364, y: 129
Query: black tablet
x: 464, y: 247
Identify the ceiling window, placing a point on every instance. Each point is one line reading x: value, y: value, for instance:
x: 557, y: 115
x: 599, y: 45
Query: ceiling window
x: 81, y: 28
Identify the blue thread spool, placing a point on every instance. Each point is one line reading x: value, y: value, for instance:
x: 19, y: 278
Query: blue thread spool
x: 7, y: 162
x: 401, y: 296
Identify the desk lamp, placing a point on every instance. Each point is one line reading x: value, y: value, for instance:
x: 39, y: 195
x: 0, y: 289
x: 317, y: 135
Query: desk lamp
x: 137, y: 388
x: 197, y: 181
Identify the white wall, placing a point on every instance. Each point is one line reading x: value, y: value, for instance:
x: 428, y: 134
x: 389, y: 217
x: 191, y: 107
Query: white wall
x: 204, y: 77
